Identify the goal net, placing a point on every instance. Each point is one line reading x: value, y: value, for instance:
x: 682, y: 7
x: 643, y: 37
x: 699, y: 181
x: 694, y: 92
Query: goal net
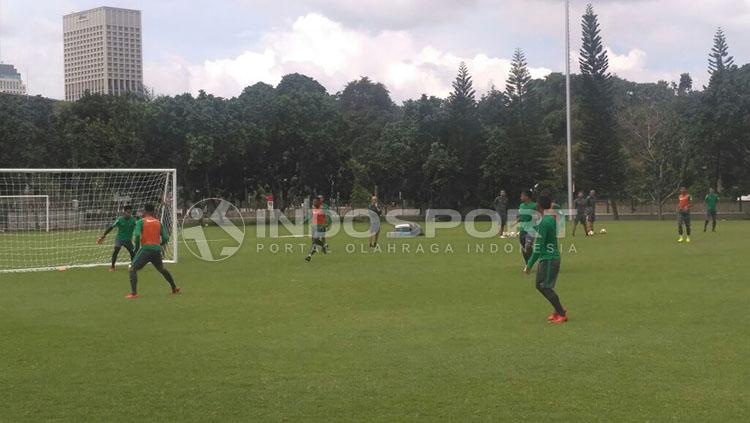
x: 50, y: 218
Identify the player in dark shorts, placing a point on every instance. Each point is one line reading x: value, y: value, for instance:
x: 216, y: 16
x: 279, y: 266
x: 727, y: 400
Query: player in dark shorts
x: 319, y: 222
x: 125, y: 225
x: 711, y: 200
x: 150, y: 236
x: 580, y: 205
x: 375, y: 213
x: 683, y: 214
x: 501, y: 208
x: 547, y: 253
x: 590, y: 212
x: 526, y: 212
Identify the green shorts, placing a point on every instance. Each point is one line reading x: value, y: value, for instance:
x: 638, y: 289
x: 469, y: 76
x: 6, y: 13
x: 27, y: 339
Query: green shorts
x: 546, y: 274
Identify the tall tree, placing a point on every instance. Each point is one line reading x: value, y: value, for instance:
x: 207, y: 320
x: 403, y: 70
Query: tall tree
x: 601, y: 166
x: 719, y: 58
x: 462, y: 139
x: 517, y: 84
x: 686, y: 84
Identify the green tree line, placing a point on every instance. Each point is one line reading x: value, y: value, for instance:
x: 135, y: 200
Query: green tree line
x: 631, y: 140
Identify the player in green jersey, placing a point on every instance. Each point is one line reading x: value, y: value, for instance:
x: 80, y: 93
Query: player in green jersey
x: 125, y: 225
x: 711, y: 200
x: 526, y: 212
x: 547, y: 253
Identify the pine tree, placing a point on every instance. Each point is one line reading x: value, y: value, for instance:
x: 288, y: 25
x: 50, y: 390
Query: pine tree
x: 462, y: 98
x: 517, y: 85
x: 719, y: 59
x: 593, y: 61
x: 601, y: 164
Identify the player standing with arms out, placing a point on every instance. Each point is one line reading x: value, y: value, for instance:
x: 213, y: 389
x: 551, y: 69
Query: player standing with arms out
x: 150, y: 236
x: 547, y: 253
x: 526, y: 211
x: 375, y: 212
x: 683, y: 214
x: 501, y: 207
x: 125, y: 225
x: 711, y: 200
x: 590, y: 212
x: 319, y: 222
x: 580, y: 205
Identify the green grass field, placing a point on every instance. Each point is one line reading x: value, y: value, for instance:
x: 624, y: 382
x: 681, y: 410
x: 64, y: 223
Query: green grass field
x: 659, y: 331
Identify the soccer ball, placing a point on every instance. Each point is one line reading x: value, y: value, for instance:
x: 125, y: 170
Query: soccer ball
x: 603, y: 232
x: 591, y: 233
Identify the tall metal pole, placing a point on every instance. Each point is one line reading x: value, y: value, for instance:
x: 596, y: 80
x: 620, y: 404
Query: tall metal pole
x: 567, y: 105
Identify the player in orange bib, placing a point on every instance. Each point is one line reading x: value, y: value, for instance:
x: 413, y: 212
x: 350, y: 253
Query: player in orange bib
x: 150, y: 236
x: 683, y: 214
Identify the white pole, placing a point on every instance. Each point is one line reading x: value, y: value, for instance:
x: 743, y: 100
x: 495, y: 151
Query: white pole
x: 175, y: 228
x: 567, y: 105
x: 47, y: 206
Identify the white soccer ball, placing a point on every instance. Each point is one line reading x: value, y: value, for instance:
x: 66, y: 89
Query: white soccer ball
x: 603, y: 231
x: 591, y: 233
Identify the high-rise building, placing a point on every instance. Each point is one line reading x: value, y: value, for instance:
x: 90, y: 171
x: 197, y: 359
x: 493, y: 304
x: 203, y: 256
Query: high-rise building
x: 10, y: 80
x: 103, y: 52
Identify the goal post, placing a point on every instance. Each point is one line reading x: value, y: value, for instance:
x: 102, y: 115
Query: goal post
x: 50, y: 218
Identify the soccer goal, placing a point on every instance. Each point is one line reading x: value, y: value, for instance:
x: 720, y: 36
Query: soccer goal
x: 50, y: 218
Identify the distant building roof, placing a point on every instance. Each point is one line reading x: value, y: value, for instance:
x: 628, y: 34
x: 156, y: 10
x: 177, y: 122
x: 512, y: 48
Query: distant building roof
x: 9, y: 72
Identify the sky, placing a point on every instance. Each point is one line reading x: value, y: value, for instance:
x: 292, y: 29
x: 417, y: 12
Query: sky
x: 412, y: 46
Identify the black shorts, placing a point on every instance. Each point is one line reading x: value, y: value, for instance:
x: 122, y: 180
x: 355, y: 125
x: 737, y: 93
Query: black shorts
x: 580, y: 218
x: 683, y: 217
x: 591, y: 218
x: 503, y: 217
x: 710, y: 214
x: 144, y: 257
x: 526, y: 240
x: 128, y: 244
x: 546, y: 274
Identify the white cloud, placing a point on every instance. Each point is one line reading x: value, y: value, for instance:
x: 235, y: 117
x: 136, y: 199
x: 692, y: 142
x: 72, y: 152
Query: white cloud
x: 334, y: 55
x: 634, y: 67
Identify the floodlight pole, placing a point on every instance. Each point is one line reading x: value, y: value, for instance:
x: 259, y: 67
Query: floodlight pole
x: 567, y: 106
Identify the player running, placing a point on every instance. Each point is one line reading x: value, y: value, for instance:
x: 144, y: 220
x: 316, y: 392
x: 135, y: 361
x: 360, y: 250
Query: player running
x: 125, y: 225
x: 320, y: 220
x: 711, y: 200
x: 150, y: 236
x: 547, y: 253
x: 590, y: 211
x: 683, y: 214
x: 526, y: 211
x: 501, y: 207
x: 580, y: 205
x: 375, y: 212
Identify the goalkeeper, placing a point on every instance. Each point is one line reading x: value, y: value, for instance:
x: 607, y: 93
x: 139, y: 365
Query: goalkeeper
x: 152, y: 235
x: 125, y: 225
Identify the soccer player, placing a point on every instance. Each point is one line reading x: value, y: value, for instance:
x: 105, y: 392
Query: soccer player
x: 501, y: 207
x: 711, y: 200
x: 320, y: 220
x: 375, y: 212
x: 547, y: 253
x: 580, y: 205
x: 683, y: 214
x: 590, y: 212
x: 125, y: 225
x: 526, y: 211
x: 150, y: 236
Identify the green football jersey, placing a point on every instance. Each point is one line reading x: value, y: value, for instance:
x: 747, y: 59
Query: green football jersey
x: 711, y: 200
x: 125, y: 227
x: 526, y: 216
x: 545, y: 245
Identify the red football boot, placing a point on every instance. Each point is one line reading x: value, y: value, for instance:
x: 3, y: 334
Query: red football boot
x: 176, y: 290
x: 131, y: 296
x: 559, y: 319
